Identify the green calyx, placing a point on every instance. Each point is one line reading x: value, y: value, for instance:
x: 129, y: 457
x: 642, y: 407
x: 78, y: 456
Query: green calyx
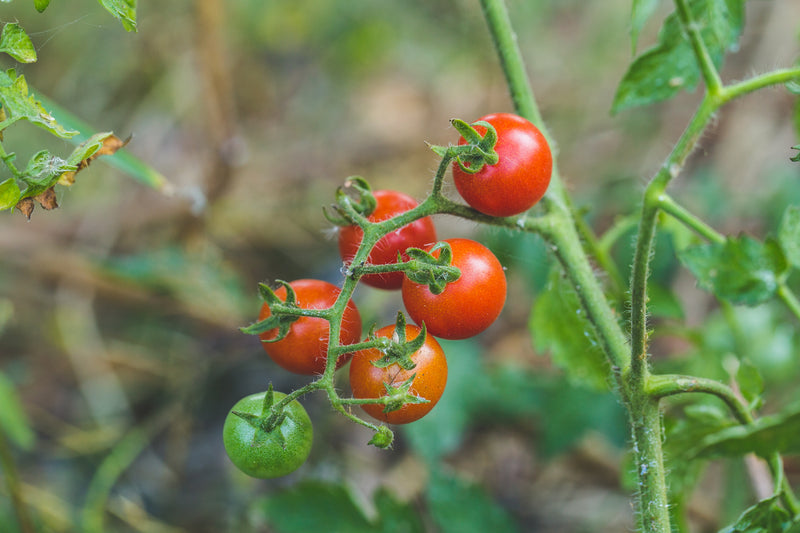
x: 279, y: 318
x: 266, y: 422
x: 399, y: 350
x: 478, y: 150
x: 354, y: 202
x: 397, y: 397
x: 435, y: 272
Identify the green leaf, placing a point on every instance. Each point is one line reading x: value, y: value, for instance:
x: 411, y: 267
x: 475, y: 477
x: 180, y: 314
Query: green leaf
x: 20, y: 105
x: 335, y: 510
x: 9, y: 194
x: 16, y: 43
x: 461, y: 507
x: 641, y: 12
x: 559, y: 325
x: 789, y: 235
x: 741, y: 270
x: 671, y: 66
x: 124, y: 10
x: 766, y: 516
x: 751, y: 384
x: 768, y: 434
x: 13, y: 420
x: 41, y: 5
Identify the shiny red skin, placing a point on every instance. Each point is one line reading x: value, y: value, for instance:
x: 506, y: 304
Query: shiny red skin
x: 521, y: 176
x: 367, y: 380
x: 467, y: 306
x: 414, y: 235
x: 304, y: 349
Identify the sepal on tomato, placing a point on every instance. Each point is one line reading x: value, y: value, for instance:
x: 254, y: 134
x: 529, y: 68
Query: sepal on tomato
x: 399, y: 349
x: 796, y: 158
x: 397, y: 397
x: 435, y: 272
x: 354, y: 201
x: 265, y: 422
x: 479, y: 150
x: 276, y: 320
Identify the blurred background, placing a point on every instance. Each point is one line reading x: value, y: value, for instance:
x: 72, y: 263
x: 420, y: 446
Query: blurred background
x: 119, y: 312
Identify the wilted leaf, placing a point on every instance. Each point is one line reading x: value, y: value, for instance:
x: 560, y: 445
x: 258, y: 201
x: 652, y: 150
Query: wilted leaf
x: 741, y: 270
x: 89, y: 150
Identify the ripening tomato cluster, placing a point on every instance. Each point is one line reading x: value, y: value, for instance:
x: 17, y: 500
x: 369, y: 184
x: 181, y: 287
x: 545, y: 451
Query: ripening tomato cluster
x: 465, y: 307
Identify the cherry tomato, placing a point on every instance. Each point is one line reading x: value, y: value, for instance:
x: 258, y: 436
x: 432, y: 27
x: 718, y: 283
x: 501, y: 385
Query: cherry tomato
x: 414, y: 235
x: 304, y: 350
x: 369, y: 381
x: 468, y: 305
x: 521, y: 176
x: 277, y: 453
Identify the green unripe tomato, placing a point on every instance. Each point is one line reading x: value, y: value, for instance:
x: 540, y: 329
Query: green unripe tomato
x: 262, y: 454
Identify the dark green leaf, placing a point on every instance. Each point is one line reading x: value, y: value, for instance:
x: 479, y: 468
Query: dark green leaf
x: 16, y: 43
x: 671, y: 66
x: 741, y: 270
x: 789, y: 235
x: 335, y: 510
x: 20, y: 105
x: 769, y: 434
x: 13, y: 420
x: 9, y: 194
x: 124, y: 10
x: 460, y: 507
x: 767, y: 516
x: 559, y: 325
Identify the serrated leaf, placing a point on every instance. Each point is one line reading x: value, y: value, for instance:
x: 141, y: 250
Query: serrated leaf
x: 559, y: 325
x: 768, y: 434
x: 789, y: 235
x: 336, y: 510
x: 641, y: 12
x: 16, y: 43
x: 458, y: 506
x: 13, y: 420
x: 18, y: 104
x: 671, y: 66
x: 124, y: 10
x: 41, y: 5
x: 741, y: 270
x: 9, y: 194
x: 766, y: 516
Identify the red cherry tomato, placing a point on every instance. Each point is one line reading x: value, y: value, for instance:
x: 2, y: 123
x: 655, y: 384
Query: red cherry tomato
x: 304, y: 349
x: 367, y: 380
x: 521, y: 176
x: 414, y: 235
x: 468, y: 305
